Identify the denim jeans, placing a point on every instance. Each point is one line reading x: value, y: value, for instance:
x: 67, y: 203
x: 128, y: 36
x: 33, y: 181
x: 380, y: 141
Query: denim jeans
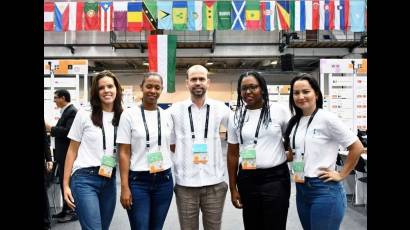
x: 151, y: 198
x: 94, y: 197
x: 321, y: 205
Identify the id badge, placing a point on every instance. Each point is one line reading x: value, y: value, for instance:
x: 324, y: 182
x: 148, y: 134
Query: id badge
x: 298, y: 166
x: 155, y: 162
x: 248, y: 156
x: 200, y: 153
x: 107, y: 165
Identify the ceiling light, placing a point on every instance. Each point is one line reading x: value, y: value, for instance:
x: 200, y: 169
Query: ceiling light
x: 209, y: 63
x: 145, y: 63
x: 274, y: 62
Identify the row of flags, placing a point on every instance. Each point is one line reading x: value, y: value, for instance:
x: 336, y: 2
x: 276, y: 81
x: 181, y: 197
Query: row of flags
x: 136, y: 16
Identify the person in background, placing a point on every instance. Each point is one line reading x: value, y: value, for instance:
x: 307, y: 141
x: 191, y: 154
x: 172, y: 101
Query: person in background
x: 199, y: 163
x: 90, y: 167
x: 145, y: 161
x: 62, y: 98
x: 314, y: 136
x: 261, y: 186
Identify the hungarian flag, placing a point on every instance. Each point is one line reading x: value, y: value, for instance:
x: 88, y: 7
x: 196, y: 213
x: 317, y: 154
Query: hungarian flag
x: 195, y: 15
x: 120, y: 16
x: 134, y: 16
x: 162, y: 58
x: 164, y: 13
x: 179, y: 15
x: 224, y: 15
x: 252, y: 15
x: 149, y: 8
x: 238, y: 15
x: 61, y: 14
x: 91, y: 16
x: 209, y: 15
x: 75, y: 20
x: 105, y: 12
x: 48, y: 16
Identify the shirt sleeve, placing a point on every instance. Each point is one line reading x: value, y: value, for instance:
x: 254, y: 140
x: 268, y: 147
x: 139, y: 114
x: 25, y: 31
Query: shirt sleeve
x: 340, y: 132
x: 225, y: 115
x: 171, y: 110
x: 232, y: 135
x: 76, y: 130
x: 124, y: 128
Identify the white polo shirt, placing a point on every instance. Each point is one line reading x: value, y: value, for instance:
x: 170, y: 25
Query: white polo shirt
x: 91, y: 149
x: 131, y: 130
x: 270, y: 151
x: 321, y: 142
x: 186, y: 172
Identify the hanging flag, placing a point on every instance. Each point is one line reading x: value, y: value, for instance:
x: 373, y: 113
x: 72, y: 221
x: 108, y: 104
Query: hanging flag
x: 209, y: 15
x: 252, y: 15
x: 48, y: 16
x: 61, y: 14
x: 194, y: 15
x: 161, y: 58
x: 106, y: 16
x: 315, y: 14
x: 292, y: 15
x: 224, y: 15
x: 238, y: 15
x: 149, y: 8
x: 76, y: 15
x: 299, y: 15
x: 91, y: 16
x: 164, y: 12
x: 321, y: 14
x: 120, y: 16
x: 134, y: 16
x: 268, y: 11
x: 282, y: 9
x: 357, y: 10
x: 180, y: 15
x: 329, y: 15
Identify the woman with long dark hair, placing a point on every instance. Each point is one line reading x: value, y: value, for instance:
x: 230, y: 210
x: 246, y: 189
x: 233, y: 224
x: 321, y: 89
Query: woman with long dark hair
x: 314, y: 136
x: 90, y: 165
x: 261, y: 186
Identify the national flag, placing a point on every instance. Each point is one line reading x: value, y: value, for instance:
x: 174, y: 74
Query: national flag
x: 357, y: 10
x: 149, y: 8
x: 106, y: 10
x: 61, y: 14
x: 195, y: 15
x: 268, y: 15
x: 252, y: 15
x: 342, y: 14
x: 321, y: 14
x: 48, y: 16
x: 238, y: 15
x: 179, y: 15
x: 282, y: 9
x: 299, y: 15
x: 134, y: 16
x: 120, y: 16
x: 329, y: 15
x: 224, y: 15
x: 292, y: 15
x: 164, y: 12
x: 76, y: 15
x: 161, y: 58
x: 209, y: 16
x: 315, y: 14
x: 91, y: 16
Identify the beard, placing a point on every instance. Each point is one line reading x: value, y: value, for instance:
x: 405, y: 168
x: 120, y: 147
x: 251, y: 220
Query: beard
x: 198, y: 92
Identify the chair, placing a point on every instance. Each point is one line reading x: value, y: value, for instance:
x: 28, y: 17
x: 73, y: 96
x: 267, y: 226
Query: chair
x: 361, y: 181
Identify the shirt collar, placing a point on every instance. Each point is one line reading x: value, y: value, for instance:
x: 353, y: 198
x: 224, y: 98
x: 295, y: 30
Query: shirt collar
x: 65, y: 107
x: 189, y: 102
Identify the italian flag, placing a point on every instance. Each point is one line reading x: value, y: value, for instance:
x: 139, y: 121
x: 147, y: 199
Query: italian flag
x: 162, y: 58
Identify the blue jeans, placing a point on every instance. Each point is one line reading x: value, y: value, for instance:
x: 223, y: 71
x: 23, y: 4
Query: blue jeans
x: 94, y: 197
x: 321, y: 205
x: 151, y: 198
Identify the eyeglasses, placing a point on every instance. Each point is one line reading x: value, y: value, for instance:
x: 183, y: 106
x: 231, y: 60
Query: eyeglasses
x: 251, y: 88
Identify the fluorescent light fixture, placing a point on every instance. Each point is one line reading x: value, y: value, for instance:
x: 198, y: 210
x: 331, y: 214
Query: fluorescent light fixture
x: 145, y: 63
x: 209, y: 63
x: 274, y: 62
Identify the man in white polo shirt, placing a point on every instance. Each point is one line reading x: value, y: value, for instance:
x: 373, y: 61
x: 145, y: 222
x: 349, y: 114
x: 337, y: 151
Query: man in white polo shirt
x: 199, y: 165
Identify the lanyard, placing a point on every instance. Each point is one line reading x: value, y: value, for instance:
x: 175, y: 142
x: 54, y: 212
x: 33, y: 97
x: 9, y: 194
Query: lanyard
x: 192, y: 123
x: 115, y: 138
x: 255, y: 140
x: 146, y: 127
x: 296, y: 128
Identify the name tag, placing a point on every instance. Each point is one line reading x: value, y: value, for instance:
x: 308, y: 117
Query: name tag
x: 155, y: 162
x: 298, y: 167
x: 248, y: 159
x: 200, y: 153
x: 107, y: 165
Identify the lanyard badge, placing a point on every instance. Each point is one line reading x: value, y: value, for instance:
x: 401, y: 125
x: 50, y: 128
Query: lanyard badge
x: 298, y: 166
x: 200, y: 153
x: 155, y: 162
x: 107, y: 165
x: 248, y: 156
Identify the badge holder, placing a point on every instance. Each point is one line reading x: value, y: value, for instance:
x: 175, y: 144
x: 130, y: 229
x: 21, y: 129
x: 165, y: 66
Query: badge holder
x: 248, y: 156
x: 298, y: 166
x: 107, y: 165
x: 200, y: 153
x: 155, y: 162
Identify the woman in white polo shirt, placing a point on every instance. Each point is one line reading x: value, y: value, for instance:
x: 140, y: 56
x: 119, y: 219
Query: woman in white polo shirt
x: 145, y: 161
x: 91, y: 157
x: 261, y: 186
x: 314, y: 136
